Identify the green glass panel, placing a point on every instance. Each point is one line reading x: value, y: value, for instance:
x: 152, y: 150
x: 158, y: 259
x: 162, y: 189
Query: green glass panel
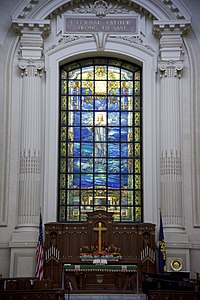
x: 62, y: 197
x: 62, y: 181
x: 63, y: 118
x: 137, y: 87
x: 127, y: 214
x: 137, y: 103
x: 63, y: 134
x: 137, y: 149
x: 137, y: 182
x: 137, y: 119
x: 63, y: 74
x: 138, y: 198
x: 73, y: 213
x: 63, y: 87
x: 138, y: 215
x: 137, y: 134
x: 63, y: 102
x: 62, y: 214
x: 63, y: 165
x: 137, y: 75
x: 137, y: 166
x: 63, y: 151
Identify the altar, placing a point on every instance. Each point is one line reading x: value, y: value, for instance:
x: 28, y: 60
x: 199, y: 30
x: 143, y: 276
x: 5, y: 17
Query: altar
x: 99, y: 255
x: 100, y: 277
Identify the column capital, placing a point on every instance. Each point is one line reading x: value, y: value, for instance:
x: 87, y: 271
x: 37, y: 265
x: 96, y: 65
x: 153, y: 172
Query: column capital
x: 31, y: 67
x: 170, y: 68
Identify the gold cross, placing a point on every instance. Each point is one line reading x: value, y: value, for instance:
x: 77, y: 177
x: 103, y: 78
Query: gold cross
x: 99, y: 229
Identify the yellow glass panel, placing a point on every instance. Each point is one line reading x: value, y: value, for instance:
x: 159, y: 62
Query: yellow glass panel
x: 101, y: 87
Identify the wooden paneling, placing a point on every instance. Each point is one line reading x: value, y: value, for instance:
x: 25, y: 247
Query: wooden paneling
x: 68, y: 238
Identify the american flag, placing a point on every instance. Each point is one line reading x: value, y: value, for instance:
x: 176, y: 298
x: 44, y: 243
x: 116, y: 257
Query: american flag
x: 40, y: 254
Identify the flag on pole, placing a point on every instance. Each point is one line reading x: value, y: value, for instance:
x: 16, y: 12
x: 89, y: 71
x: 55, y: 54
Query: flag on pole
x: 162, y: 250
x: 40, y: 254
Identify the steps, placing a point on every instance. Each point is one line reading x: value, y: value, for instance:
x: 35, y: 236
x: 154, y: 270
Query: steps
x: 105, y: 297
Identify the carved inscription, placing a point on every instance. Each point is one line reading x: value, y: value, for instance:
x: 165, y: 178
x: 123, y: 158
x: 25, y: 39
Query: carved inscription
x: 110, y: 24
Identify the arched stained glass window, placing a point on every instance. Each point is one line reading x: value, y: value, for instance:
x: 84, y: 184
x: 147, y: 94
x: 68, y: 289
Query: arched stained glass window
x: 100, y: 140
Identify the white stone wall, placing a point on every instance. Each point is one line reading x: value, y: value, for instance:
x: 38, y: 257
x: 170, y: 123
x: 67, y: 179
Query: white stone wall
x: 18, y: 231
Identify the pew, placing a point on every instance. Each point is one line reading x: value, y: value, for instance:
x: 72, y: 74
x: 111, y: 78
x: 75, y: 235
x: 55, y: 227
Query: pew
x: 28, y: 288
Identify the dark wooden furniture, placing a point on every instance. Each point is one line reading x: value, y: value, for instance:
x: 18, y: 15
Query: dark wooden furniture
x: 63, y: 243
x: 28, y: 289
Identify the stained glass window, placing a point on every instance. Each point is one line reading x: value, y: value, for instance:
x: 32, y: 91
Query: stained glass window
x: 100, y: 140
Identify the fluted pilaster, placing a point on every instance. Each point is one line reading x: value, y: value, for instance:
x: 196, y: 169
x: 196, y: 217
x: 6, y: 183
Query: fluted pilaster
x: 31, y: 65
x: 170, y: 66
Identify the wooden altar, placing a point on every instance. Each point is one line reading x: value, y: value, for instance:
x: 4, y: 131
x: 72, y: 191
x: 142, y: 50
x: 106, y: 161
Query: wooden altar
x: 102, y: 242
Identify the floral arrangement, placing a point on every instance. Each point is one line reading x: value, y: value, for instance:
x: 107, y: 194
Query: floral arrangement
x: 106, y: 251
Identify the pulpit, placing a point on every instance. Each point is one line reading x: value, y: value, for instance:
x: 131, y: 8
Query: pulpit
x: 99, y: 253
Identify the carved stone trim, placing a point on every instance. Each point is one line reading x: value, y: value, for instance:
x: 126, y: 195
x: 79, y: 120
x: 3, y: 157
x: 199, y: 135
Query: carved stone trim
x: 160, y: 26
x: 42, y: 26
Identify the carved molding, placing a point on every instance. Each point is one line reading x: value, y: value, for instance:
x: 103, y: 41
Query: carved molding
x: 24, y: 12
x: 171, y: 25
x: 42, y: 26
x: 170, y: 163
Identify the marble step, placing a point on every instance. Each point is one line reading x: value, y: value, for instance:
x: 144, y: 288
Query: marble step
x: 105, y: 297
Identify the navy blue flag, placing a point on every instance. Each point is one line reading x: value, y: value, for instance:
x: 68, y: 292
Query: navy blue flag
x: 162, y: 250
x: 40, y: 254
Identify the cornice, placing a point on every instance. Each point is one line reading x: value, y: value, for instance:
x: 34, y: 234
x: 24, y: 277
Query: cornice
x: 171, y: 25
x: 42, y: 26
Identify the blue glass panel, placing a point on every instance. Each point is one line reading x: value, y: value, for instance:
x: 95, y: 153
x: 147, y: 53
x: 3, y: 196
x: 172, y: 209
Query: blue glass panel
x: 114, y: 180
x: 99, y: 166
x: 77, y: 149
x: 124, y: 134
x: 100, y: 180
x: 124, y: 118
x: 86, y: 165
x: 113, y: 134
x: 113, y: 165
x: 124, y: 166
x: 86, y: 180
x: 113, y: 103
x: 76, y: 165
x: 100, y: 103
x: 113, y: 150
x: 76, y: 134
x: 124, y: 180
x: 76, y: 180
x: 77, y: 118
x: 87, y: 118
x: 87, y: 134
x: 124, y: 150
x: 87, y: 149
x: 113, y: 118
